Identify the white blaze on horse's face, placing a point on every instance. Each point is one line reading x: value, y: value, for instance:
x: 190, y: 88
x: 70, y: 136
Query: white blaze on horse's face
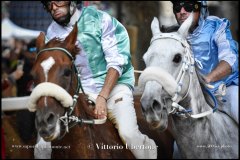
x: 47, y: 65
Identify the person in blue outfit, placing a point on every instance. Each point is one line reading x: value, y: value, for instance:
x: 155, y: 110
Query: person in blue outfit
x: 215, y: 51
x: 104, y: 63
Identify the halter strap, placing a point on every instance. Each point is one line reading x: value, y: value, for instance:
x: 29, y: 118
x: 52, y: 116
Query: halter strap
x: 56, y: 48
x: 170, y: 36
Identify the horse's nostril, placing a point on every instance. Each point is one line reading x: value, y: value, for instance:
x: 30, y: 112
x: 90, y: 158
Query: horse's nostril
x: 50, y: 118
x: 43, y: 133
x: 155, y: 105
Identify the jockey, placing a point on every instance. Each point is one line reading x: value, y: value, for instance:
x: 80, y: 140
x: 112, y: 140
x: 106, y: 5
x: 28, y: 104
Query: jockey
x: 104, y: 63
x: 215, y: 51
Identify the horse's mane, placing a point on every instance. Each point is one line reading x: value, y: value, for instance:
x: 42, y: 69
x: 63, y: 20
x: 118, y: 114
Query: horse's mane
x: 56, y: 42
x: 208, y: 98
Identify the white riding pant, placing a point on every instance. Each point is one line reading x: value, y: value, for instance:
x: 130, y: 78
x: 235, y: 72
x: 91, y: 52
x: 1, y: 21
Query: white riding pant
x: 232, y: 98
x: 122, y: 113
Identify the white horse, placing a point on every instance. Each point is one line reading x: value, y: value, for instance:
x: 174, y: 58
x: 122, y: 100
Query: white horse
x: 172, y: 92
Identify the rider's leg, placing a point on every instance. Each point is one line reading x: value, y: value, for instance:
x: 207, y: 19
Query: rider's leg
x: 122, y: 113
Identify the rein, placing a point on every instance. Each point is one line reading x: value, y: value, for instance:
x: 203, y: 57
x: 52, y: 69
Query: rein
x: 187, y: 67
x: 68, y: 117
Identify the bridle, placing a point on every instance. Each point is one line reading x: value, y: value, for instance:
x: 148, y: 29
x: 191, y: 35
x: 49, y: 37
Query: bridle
x: 187, y: 68
x: 69, y: 120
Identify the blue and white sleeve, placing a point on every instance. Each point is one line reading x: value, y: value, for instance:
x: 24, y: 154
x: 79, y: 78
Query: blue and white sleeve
x: 227, y: 47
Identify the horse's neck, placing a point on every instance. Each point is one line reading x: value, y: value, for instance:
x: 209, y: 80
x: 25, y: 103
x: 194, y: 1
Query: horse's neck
x: 210, y: 129
x: 90, y: 138
x: 195, y: 99
x: 198, y: 101
x: 84, y: 109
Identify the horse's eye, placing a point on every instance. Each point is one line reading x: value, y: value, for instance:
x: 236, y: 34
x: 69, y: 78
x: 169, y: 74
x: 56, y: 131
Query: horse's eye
x: 67, y: 72
x: 177, y: 58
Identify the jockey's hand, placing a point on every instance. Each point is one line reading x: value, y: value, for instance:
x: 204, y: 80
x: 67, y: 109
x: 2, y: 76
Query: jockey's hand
x: 100, y: 110
x: 207, y: 81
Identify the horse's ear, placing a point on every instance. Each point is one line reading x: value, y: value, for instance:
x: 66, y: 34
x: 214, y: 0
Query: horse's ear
x: 155, y: 26
x: 71, y: 38
x: 184, y: 28
x: 40, y: 42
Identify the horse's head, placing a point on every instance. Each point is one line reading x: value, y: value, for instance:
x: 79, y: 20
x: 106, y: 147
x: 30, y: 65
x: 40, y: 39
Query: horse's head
x: 165, y: 60
x: 55, y: 80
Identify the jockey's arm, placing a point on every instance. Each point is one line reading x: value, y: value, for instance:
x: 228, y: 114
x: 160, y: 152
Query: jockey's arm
x: 110, y: 81
x: 222, y: 70
x: 227, y: 54
x: 101, y: 102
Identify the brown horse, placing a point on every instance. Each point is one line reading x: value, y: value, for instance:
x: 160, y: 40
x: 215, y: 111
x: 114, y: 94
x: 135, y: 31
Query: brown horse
x: 57, y: 81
